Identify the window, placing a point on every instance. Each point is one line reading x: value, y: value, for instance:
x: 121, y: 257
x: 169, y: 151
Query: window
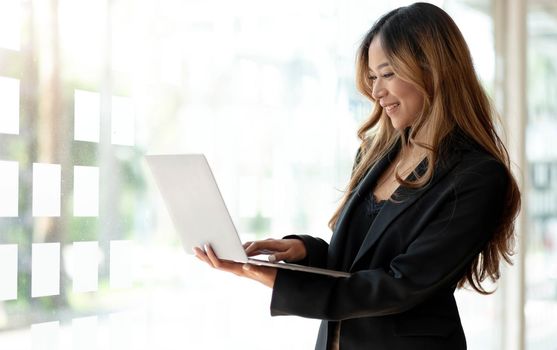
x: 88, y: 255
x: 541, y: 195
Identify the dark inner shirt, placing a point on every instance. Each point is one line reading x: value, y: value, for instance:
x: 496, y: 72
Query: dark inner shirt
x: 361, y: 218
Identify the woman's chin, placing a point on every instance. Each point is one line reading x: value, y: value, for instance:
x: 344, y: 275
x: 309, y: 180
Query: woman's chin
x: 399, y: 124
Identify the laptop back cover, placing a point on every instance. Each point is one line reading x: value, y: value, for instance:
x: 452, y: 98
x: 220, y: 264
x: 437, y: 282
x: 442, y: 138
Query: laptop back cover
x: 195, y: 204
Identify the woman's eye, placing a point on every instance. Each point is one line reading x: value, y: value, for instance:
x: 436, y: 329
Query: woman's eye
x: 384, y: 76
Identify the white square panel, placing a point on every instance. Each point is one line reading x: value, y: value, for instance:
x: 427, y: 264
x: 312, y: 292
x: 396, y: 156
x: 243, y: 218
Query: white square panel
x: 123, y: 121
x: 8, y: 271
x: 87, y: 115
x: 45, y: 336
x: 45, y: 277
x: 85, y: 333
x: 9, y: 188
x: 46, y: 189
x: 86, y: 191
x: 9, y: 105
x: 121, y: 262
x: 83, y: 266
x: 10, y: 24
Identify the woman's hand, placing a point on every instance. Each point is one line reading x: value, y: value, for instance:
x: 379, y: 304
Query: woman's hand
x: 262, y: 274
x: 278, y: 249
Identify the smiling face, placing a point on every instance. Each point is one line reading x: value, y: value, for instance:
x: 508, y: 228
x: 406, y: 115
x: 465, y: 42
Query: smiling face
x: 400, y: 100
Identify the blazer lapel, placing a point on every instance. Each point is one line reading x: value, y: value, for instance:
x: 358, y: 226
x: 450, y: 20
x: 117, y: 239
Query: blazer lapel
x: 362, y: 188
x: 407, y: 197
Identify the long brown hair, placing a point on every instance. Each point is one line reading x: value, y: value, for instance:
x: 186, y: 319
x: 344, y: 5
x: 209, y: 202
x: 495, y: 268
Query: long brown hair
x: 425, y: 48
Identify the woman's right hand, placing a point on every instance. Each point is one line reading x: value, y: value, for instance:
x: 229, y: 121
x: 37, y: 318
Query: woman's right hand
x: 291, y: 250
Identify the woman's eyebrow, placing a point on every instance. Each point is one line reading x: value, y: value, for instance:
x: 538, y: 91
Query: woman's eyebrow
x: 384, y: 64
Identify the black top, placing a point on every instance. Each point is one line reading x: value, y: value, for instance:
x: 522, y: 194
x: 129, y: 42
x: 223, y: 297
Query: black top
x: 362, y: 217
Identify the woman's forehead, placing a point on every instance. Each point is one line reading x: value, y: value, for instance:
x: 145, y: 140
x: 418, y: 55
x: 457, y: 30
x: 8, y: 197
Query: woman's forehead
x: 376, y: 56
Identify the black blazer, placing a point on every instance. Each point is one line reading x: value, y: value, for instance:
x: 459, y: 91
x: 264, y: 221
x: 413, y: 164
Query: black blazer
x: 400, y: 293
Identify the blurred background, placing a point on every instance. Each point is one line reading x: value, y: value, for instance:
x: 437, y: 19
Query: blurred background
x: 88, y: 256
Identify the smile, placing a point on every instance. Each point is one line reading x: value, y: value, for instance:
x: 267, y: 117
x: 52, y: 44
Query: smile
x: 391, y: 108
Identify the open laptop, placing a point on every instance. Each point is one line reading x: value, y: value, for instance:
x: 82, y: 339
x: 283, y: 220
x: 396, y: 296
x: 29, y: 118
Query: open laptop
x: 199, y: 213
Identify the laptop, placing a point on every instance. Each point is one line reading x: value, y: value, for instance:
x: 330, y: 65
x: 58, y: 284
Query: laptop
x: 198, y: 211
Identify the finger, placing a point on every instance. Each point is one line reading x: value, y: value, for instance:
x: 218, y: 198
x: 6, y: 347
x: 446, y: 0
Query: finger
x: 251, y: 250
x: 247, y: 268
x: 197, y: 251
x: 202, y: 256
x: 228, y: 266
x: 250, y: 247
x: 259, y: 247
x: 276, y: 257
x: 216, y: 262
x: 205, y: 260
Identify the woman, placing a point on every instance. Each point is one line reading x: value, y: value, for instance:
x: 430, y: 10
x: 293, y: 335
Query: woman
x: 429, y: 208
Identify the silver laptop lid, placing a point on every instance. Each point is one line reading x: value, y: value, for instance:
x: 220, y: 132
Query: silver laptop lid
x: 195, y: 204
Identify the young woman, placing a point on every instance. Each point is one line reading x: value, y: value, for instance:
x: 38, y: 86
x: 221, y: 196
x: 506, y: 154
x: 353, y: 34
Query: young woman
x: 429, y: 208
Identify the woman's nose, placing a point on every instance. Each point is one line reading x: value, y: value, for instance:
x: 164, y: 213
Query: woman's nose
x: 378, y: 90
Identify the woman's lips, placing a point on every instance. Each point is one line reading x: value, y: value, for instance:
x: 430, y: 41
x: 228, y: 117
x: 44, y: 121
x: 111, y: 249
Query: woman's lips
x: 391, y: 108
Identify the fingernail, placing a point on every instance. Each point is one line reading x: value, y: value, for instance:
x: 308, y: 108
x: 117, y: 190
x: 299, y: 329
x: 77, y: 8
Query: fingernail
x: 272, y: 258
x: 246, y: 267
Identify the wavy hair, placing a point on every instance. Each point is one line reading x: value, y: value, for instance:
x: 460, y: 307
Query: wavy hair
x: 426, y: 49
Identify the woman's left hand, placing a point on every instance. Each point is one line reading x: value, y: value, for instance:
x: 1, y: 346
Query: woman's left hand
x: 262, y: 274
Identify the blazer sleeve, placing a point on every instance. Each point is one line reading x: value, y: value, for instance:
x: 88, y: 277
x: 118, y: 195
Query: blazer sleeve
x: 435, y: 259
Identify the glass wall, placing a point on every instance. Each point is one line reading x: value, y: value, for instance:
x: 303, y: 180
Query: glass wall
x: 541, y: 132
x: 88, y: 256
